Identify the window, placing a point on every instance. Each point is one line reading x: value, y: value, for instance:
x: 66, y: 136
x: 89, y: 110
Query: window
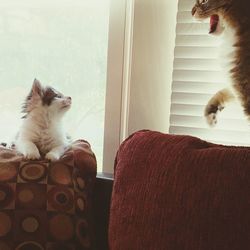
x: 64, y: 44
x: 197, y: 76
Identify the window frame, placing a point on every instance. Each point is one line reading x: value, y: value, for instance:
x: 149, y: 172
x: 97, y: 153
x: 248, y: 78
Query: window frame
x: 118, y: 79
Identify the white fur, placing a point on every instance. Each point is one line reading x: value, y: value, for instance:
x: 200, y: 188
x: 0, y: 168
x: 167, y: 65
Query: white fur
x: 41, y: 131
x: 227, y: 51
x: 226, y: 56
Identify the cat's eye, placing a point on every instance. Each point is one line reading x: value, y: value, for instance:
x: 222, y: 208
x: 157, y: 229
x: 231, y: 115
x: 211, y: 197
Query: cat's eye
x: 59, y: 96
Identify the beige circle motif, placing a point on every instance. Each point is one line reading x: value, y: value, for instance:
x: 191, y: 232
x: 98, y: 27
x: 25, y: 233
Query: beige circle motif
x: 60, y: 173
x: 80, y: 182
x: 80, y: 204
x: 26, y: 195
x: 30, y: 224
x: 32, y: 172
x: 31, y: 245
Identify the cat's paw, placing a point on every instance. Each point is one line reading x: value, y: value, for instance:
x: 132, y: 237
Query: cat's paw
x: 211, y: 119
x: 211, y: 112
x: 32, y: 155
x: 52, y: 156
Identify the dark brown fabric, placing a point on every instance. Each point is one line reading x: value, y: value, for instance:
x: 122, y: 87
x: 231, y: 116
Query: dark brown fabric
x: 180, y: 193
x: 47, y: 205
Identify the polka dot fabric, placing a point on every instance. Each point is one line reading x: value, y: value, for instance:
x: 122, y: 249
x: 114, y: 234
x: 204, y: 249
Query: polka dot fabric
x: 46, y: 205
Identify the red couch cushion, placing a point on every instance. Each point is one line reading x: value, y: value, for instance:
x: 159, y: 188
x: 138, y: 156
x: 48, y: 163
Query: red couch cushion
x: 180, y: 193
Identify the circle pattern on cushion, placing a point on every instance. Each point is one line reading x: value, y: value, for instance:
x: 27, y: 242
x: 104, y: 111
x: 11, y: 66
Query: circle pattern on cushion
x: 26, y: 195
x: 61, y: 227
x: 80, y: 203
x: 39, y: 207
x: 31, y: 195
x: 6, y: 195
x: 82, y: 233
x: 78, y: 180
x: 33, y: 172
x: 30, y: 224
x: 5, y: 225
x: 8, y: 171
x: 60, y: 174
x: 30, y: 245
x: 60, y: 198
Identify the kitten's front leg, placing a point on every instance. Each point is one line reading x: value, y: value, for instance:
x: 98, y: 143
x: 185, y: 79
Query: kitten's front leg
x: 217, y: 103
x: 55, y: 153
x: 28, y: 149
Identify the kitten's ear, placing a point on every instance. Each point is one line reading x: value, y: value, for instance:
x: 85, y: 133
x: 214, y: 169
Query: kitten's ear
x: 37, y: 88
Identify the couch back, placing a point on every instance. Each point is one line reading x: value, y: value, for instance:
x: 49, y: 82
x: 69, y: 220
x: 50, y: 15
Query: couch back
x: 180, y: 193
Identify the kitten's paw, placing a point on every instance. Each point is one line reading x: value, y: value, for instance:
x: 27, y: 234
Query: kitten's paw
x: 52, y: 156
x: 32, y: 155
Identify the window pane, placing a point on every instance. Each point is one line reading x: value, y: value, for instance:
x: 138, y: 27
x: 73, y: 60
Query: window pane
x: 63, y: 44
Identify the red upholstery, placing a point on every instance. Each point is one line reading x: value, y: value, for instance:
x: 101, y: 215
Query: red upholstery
x: 180, y: 193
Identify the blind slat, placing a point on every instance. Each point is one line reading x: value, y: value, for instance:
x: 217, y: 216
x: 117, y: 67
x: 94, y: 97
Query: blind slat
x: 197, y: 40
x: 195, y: 87
x: 226, y: 124
x: 192, y: 28
x: 198, y: 75
x: 197, y: 110
x: 198, y: 64
x: 196, y: 52
x: 207, y: 134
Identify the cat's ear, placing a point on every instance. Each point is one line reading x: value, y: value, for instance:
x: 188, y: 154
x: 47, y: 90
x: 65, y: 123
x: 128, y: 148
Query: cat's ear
x: 37, y: 89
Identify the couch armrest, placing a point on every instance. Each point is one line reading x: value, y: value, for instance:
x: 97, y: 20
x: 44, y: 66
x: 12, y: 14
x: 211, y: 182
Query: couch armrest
x: 101, y: 207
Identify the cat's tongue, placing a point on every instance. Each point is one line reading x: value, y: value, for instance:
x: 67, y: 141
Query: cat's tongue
x: 214, y: 20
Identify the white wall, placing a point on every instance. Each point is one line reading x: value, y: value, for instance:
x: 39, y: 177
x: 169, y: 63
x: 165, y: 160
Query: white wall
x: 140, y: 100
x: 152, y: 64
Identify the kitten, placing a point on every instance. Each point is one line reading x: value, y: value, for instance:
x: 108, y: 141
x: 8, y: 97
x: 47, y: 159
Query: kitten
x: 232, y: 19
x: 41, y: 133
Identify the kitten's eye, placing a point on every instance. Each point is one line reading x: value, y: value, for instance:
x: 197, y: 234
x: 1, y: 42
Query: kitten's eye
x: 59, y: 96
x: 203, y: 1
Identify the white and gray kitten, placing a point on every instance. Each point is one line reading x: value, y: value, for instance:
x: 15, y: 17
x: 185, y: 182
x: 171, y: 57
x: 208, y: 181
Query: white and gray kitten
x: 41, y: 132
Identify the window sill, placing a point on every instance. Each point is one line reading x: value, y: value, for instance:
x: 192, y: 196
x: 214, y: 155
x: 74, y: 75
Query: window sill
x: 106, y: 176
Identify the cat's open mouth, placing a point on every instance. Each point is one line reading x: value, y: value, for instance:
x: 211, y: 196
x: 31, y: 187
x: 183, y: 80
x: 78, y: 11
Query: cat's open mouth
x: 214, y: 21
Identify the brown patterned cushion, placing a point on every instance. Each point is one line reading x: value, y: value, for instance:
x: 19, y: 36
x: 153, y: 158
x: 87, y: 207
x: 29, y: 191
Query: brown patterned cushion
x: 47, y: 205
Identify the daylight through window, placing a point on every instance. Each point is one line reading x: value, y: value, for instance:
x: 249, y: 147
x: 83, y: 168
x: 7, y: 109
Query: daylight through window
x: 63, y: 44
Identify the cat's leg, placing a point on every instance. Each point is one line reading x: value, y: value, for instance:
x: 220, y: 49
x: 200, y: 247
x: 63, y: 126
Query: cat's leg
x: 55, y: 153
x: 216, y: 104
x: 28, y: 149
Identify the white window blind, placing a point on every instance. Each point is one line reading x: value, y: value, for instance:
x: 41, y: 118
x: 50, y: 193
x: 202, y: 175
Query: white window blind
x: 197, y: 76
